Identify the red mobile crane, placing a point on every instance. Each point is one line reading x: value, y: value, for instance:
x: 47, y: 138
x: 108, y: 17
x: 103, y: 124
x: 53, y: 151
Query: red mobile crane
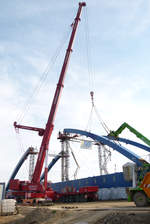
x: 35, y: 189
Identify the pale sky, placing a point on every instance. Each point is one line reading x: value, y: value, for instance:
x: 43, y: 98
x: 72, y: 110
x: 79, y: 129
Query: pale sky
x: 116, y: 35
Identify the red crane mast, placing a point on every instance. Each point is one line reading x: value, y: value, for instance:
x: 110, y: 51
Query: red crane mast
x: 51, y: 118
x: 47, y: 132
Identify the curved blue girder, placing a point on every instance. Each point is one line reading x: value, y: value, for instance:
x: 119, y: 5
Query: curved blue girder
x: 52, y: 163
x: 21, y: 161
x: 130, y: 142
x: 105, y: 141
x: 19, y: 164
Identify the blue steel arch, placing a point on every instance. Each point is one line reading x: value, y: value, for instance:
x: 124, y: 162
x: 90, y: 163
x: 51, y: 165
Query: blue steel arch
x: 105, y: 141
x: 22, y: 160
x: 127, y: 141
x: 130, y: 142
x: 51, y: 164
x: 18, y: 166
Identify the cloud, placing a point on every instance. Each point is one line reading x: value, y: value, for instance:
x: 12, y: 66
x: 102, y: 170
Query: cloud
x: 120, y: 20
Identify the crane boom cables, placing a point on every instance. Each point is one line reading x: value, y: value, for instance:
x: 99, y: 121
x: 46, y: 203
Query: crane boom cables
x: 43, y: 78
x: 103, y: 124
x: 40, y: 84
x: 92, y: 79
x: 89, y: 51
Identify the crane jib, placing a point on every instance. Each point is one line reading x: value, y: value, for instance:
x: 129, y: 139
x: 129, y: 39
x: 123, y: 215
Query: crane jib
x: 49, y: 126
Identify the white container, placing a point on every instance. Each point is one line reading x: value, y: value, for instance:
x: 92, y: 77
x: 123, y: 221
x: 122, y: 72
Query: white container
x: 8, y: 207
x: 0, y: 207
x: 128, y: 169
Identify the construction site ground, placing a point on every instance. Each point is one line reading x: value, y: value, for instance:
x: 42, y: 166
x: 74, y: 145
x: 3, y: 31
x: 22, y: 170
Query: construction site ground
x: 106, y: 212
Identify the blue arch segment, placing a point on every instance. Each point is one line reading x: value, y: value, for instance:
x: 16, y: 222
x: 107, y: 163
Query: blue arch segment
x: 130, y: 142
x: 18, y: 166
x: 105, y: 141
x: 21, y: 161
x: 51, y: 164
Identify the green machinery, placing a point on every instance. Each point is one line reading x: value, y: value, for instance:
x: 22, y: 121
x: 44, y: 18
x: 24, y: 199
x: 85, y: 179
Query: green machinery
x: 140, y: 193
x: 134, y: 131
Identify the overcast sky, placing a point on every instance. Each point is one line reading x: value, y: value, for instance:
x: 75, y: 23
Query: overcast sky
x: 110, y: 57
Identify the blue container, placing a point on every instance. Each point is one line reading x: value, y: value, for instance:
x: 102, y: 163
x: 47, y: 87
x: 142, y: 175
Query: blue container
x: 104, y: 181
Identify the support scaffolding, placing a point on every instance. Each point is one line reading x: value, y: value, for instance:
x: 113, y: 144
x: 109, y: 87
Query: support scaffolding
x: 104, y: 155
x: 32, y: 162
x: 64, y: 160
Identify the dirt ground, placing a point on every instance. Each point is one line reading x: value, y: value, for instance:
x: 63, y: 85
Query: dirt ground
x: 114, y: 212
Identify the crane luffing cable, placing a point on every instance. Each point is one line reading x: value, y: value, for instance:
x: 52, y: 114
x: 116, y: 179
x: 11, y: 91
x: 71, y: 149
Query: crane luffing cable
x: 43, y: 78
x: 40, y: 84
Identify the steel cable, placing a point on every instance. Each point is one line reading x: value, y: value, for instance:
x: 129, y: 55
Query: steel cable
x: 43, y: 78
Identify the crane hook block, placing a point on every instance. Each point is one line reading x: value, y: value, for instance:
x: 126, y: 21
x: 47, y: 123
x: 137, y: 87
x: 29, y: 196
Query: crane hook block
x: 92, y: 95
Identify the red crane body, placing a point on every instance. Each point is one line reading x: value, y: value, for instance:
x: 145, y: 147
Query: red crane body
x: 35, y: 185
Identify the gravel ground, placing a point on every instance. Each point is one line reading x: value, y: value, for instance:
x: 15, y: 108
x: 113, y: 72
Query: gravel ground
x: 120, y: 212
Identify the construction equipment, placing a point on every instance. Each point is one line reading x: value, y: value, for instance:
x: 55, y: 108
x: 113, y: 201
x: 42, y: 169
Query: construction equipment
x: 140, y: 193
x: 133, y: 130
x: 35, y: 189
x: 82, y: 194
